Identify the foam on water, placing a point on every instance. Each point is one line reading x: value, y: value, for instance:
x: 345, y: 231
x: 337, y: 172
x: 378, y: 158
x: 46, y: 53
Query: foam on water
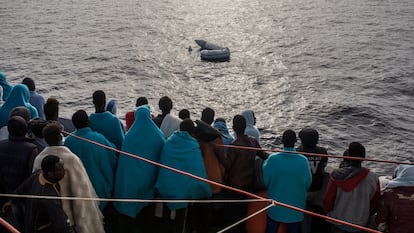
x: 343, y: 67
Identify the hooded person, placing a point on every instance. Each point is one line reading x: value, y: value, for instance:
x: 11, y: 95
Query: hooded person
x: 136, y: 178
x: 251, y: 129
x: 6, y: 86
x: 85, y: 216
x: 397, y: 205
x: 221, y: 126
x: 353, y: 191
x: 182, y: 151
x: 19, y: 96
x: 99, y: 162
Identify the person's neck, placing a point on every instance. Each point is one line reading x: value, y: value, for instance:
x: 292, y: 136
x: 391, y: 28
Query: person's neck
x: 99, y: 110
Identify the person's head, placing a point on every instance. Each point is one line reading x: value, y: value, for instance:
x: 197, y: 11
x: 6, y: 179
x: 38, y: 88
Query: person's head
x: 250, y: 117
x: 80, y: 119
x: 184, y: 114
x: 17, y: 126
x: 52, y: 133
x: 20, y: 91
x: 52, y: 168
x: 239, y: 124
x: 29, y: 83
x: 355, y: 149
x: 141, y: 101
x: 289, y: 138
x: 187, y: 125
x: 165, y: 104
x: 36, y: 126
x: 207, y: 115
x: 51, y: 109
x: 99, y: 100
x: 22, y: 112
x: 309, y: 137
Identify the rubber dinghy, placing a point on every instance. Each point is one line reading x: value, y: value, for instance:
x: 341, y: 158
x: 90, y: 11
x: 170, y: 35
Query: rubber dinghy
x: 212, y: 52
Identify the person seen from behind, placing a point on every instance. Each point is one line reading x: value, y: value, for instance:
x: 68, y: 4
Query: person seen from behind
x: 287, y: 177
x: 44, y: 215
x: 309, y: 138
x: 353, y: 192
x: 396, y: 210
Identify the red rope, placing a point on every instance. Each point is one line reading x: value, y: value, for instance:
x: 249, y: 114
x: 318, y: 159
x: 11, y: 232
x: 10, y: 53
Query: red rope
x: 8, y: 226
x: 227, y: 187
x: 315, y: 154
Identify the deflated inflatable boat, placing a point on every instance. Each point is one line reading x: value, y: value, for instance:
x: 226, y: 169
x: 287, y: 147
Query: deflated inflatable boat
x: 212, y: 52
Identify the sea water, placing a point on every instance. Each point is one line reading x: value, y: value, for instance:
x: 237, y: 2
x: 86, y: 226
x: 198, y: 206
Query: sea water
x: 342, y: 67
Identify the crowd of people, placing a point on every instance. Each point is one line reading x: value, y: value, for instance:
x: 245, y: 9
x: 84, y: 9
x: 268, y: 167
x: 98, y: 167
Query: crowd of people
x: 92, y: 156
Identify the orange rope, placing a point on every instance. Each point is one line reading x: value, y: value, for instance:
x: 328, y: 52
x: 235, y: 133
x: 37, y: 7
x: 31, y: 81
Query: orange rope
x: 274, y: 202
x: 8, y: 226
x: 315, y: 154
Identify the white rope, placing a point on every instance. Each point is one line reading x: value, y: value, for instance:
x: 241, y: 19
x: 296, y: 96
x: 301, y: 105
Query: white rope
x: 246, y: 218
x: 130, y: 200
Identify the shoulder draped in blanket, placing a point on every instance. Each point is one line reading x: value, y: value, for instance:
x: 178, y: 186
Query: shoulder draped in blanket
x: 99, y: 162
x: 19, y: 96
x: 182, y: 151
x: 84, y: 215
x: 136, y: 178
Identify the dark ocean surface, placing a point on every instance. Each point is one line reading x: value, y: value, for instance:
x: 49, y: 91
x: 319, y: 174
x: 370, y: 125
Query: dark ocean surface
x: 343, y: 67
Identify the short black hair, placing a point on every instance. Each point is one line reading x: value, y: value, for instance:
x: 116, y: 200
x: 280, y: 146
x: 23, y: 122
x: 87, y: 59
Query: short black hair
x: 309, y: 137
x: 99, y: 98
x: 52, y: 133
x: 36, y: 126
x: 207, y: 115
x: 165, y: 104
x: 239, y: 124
x: 289, y: 138
x: 80, y: 119
x: 17, y: 126
x: 29, y: 83
x: 51, y: 109
x: 184, y: 114
x: 49, y: 163
x: 20, y: 111
x: 187, y: 125
x: 141, y: 101
x: 356, y: 149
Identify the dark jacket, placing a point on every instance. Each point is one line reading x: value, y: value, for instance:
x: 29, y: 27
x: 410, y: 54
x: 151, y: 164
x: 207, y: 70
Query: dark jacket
x: 16, y: 161
x: 239, y: 164
x: 317, y: 165
x: 43, y: 215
